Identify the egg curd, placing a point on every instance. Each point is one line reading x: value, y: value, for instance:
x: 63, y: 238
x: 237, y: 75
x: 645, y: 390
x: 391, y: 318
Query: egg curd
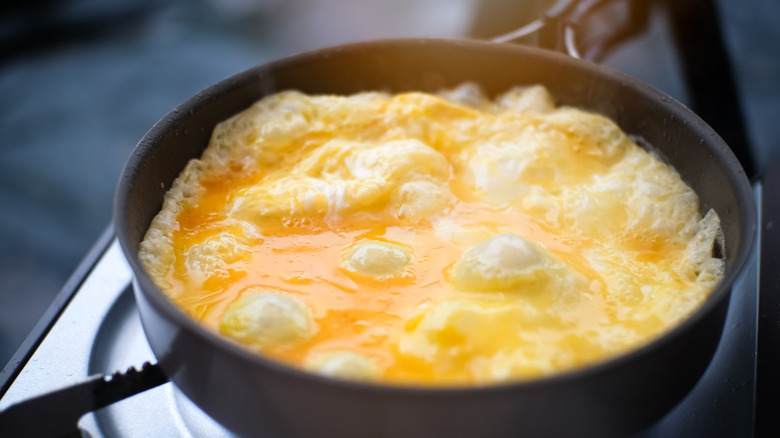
x: 431, y: 239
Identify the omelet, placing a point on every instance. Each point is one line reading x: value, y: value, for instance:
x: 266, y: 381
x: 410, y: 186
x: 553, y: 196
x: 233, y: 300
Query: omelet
x: 432, y: 239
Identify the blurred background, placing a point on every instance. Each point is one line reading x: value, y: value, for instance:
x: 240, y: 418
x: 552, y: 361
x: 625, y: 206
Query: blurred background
x: 81, y: 81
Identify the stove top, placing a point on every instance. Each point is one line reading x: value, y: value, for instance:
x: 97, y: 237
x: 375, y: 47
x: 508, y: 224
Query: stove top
x: 98, y: 331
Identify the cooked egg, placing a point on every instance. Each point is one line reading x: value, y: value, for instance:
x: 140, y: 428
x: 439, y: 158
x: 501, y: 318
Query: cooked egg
x: 505, y: 262
x: 376, y: 259
x: 478, y: 335
x: 343, y: 365
x: 425, y: 239
x: 267, y: 318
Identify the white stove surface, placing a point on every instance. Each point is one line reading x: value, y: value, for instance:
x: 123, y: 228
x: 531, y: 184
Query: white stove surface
x: 100, y: 333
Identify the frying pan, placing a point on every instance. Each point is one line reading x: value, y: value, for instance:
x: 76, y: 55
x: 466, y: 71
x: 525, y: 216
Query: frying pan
x: 254, y: 396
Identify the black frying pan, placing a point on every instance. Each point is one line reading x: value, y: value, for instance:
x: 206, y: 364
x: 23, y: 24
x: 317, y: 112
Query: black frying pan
x: 255, y: 396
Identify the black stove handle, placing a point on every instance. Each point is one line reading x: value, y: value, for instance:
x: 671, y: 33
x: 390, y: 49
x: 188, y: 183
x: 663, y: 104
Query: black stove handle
x: 56, y: 414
